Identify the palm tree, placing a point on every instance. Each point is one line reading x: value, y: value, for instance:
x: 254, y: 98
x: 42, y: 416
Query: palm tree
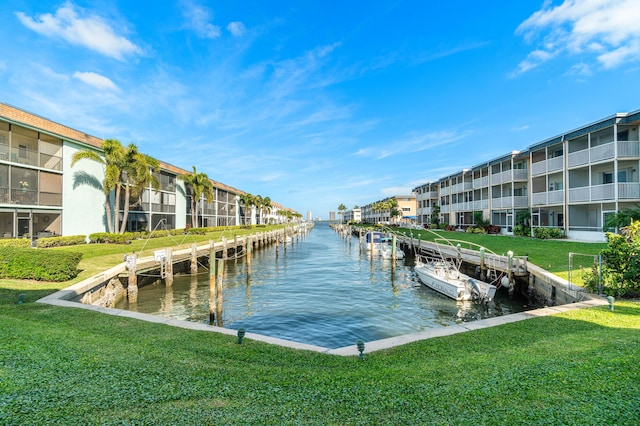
x: 137, y: 172
x: 201, y: 187
x: 113, y: 154
x: 266, y: 205
x: 248, y: 201
x: 341, y: 209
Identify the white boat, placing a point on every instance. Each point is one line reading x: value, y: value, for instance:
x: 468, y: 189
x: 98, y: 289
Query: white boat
x: 386, y: 249
x: 372, y: 241
x: 443, y: 277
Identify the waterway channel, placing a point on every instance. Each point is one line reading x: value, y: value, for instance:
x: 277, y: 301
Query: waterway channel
x: 321, y: 290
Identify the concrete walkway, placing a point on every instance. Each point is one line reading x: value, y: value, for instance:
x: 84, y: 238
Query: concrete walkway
x: 61, y: 297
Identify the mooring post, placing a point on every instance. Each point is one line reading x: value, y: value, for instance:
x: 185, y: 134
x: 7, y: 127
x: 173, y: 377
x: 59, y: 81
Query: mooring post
x: 512, y: 286
x: 132, y: 278
x: 224, y: 247
x: 483, y: 267
x: 220, y: 277
x: 212, y: 283
x: 168, y: 281
x: 194, y: 259
x: 249, y: 250
x: 235, y: 247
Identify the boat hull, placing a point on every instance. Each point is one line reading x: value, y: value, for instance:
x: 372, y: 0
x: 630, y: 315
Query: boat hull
x: 439, y: 281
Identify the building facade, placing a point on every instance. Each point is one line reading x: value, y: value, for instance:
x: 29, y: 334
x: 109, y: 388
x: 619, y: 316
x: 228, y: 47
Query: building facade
x: 43, y: 193
x: 406, y: 210
x: 572, y: 181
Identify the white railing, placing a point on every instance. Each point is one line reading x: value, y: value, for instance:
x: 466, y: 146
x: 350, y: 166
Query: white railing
x: 539, y: 199
x: 555, y: 163
x: 578, y: 158
x: 482, y: 182
x: 629, y: 190
x: 629, y: 149
x: 538, y: 168
x: 555, y: 197
x: 603, y: 152
x: 520, y: 174
x: 603, y: 192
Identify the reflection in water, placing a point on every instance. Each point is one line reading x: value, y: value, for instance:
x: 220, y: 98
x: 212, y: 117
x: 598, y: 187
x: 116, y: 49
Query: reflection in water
x: 319, y: 290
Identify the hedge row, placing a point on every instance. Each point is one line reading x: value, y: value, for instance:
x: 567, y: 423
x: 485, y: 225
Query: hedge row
x: 15, y: 242
x: 70, y: 240
x: 30, y: 264
x: 547, y: 233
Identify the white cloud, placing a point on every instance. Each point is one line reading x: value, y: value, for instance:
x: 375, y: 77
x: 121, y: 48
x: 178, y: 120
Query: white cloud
x: 90, y: 31
x: 236, y: 28
x: 198, y: 18
x: 606, y: 28
x: 96, y: 80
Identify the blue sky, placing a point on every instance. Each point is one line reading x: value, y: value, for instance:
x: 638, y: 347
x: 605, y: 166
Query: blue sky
x: 317, y: 103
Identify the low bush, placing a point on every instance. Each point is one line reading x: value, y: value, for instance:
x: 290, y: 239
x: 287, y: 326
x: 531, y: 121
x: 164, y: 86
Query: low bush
x: 522, y: 230
x: 40, y: 265
x: 15, y: 242
x: 70, y: 240
x: 476, y: 230
x: 547, y: 233
x: 108, y: 238
x: 493, y: 229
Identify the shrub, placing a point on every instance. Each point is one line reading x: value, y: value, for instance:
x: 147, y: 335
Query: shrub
x: 41, y: 265
x: 521, y: 230
x: 108, y: 238
x: 15, y: 242
x: 547, y: 233
x: 493, y: 229
x: 70, y: 240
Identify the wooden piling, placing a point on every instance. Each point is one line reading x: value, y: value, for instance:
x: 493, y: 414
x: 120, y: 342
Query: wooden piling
x: 219, y: 278
x: 194, y: 259
x: 169, y: 267
x: 132, y: 279
x: 212, y: 283
x: 249, y: 241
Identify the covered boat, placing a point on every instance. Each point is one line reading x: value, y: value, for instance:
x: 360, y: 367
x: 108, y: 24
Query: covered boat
x: 444, y: 277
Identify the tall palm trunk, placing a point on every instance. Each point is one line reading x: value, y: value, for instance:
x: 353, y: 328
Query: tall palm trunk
x: 116, y: 215
x: 127, y: 196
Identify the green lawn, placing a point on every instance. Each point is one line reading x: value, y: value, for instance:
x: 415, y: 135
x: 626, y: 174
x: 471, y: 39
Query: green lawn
x: 71, y: 366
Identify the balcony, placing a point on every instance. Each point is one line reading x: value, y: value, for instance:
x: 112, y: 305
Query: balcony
x: 30, y: 158
x: 547, y: 166
x: 510, y: 202
x: 629, y: 190
x: 482, y: 182
x: 592, y: 193
x: 547, y: 198
x: 30, y: 197
x: 592, y: 155
x: 629, y: 149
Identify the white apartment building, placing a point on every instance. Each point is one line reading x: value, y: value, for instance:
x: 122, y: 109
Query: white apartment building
x: 42, y: 194
x: 572, y: 181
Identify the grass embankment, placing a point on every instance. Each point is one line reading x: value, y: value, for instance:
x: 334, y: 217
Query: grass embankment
x: 70, y: 366
x: 99, y: 257
x: 552, y: 255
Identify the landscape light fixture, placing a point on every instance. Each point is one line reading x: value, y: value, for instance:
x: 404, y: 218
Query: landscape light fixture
x: 241, y: 333
x: 360, y: 345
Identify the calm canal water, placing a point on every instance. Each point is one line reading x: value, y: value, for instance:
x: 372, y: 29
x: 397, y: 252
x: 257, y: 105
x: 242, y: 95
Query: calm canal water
x: 322, y: 291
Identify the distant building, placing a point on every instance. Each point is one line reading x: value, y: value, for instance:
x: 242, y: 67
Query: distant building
x: 406, y: 211
x: 353, y: 215
x: 309, y: 216
x: 332, y: 216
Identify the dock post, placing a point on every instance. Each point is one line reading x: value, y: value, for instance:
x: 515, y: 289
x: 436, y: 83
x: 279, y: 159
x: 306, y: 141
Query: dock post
x: 194, y: 259
x: 483, y: 267
x: 512, y: 286
x: 224, y: 247
x: 249, y: 250
x: 132, y: 277
x: 220, y: 277
x: 212, y: 283
x: 168, y: 281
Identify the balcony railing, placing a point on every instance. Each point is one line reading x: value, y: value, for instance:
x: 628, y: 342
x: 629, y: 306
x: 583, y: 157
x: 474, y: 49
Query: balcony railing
x: 592, y: 193
x: 629, y: 190
x: 30, y: 197
x: 482, y: 182
x: 547, y: 166
x: 629, y: 149
x: 30, y: 157
x: 547, y: 198
x: 510, y: 202
x: 592, y: 155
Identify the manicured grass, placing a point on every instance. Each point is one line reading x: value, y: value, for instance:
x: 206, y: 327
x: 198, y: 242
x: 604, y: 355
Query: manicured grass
x: 552, y: 255
x: 70, y: 366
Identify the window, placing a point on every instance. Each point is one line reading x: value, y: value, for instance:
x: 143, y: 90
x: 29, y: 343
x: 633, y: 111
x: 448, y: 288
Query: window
x: 607, y: 177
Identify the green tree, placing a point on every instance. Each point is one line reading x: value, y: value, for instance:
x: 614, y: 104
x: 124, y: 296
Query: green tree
x: 137, y: 172
x: 435, y: 215
x: 201, y: 187
x: 124, y: 168
x: 622, y: 218
x: 621, y: 261
x: 248, y: 201
x: 341, y: 209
